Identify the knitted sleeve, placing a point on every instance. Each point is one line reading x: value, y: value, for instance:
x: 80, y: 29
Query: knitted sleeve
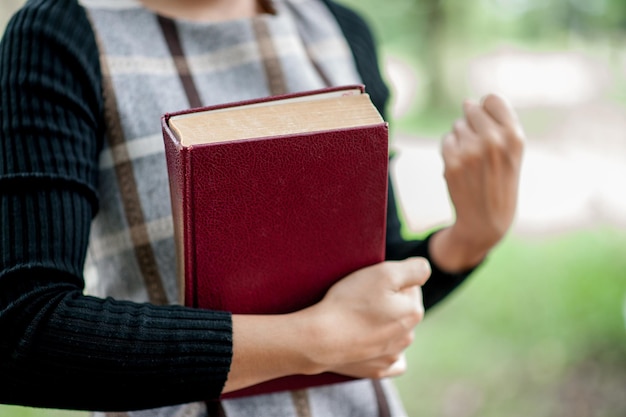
x: 59, y: 348
x: 364, y: 50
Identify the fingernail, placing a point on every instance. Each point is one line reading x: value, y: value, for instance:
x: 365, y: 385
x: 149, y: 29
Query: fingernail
x: 467, y: 103
x: 424, y: 264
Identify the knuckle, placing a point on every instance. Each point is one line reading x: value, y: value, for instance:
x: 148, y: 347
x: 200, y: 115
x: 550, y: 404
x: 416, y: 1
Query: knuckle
x: 453, y: 168
x: 414, y: 317
x: 407, y: 340
x: 418, y: 314
x: 459, y: 125
x: 380, y: 373
x: 473, y: 155
x: 448, y: 146
x: 390, y: 360
x: 495, y: 145
x: 492, y: 138
x: 386, y: 269
x: 516, y: 138
x: 498, y: 149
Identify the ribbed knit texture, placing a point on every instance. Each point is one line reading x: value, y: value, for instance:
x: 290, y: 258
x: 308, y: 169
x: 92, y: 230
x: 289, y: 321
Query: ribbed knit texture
x: 53, y: 339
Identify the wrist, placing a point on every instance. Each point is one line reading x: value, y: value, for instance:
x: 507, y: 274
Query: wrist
x: 270, y: 346
x: 454, y: 251
x: 315, y: 336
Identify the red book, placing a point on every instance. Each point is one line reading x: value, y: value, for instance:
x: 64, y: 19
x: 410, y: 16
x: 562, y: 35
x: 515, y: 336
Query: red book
x: 274, y: 200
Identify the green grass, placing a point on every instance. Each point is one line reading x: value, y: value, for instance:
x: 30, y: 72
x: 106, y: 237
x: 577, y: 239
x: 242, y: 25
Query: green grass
x: 541, y: 322
x: 11, y: 411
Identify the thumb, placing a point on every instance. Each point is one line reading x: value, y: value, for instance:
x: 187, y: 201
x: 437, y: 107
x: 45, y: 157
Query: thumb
x: 411, y: 272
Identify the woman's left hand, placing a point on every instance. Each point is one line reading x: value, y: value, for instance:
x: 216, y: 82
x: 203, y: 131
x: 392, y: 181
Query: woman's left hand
x: 482, y: 158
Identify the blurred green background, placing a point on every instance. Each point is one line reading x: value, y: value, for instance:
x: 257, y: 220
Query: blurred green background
x: 539, y: 330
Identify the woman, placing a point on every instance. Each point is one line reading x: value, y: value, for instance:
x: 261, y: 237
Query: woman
x: 87, y: 277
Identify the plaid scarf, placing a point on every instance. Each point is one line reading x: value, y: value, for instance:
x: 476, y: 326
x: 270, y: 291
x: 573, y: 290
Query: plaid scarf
x: 152, y: 65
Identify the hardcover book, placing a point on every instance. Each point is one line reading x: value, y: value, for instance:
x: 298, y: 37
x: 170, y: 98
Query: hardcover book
x: 274, y: 200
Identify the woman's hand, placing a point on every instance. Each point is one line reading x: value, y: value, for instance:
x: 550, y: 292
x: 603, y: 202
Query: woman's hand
x: 367, y: 319
x: 361, y: 328
x: 482, y: 158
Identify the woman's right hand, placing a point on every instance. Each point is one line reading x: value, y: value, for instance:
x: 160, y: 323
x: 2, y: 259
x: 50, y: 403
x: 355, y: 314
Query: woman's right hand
x: 361, y: 328
x: 366, y: 320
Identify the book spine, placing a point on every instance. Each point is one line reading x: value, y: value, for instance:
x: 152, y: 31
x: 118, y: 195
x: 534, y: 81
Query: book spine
x: 189, y: 276
x: 178, y: 160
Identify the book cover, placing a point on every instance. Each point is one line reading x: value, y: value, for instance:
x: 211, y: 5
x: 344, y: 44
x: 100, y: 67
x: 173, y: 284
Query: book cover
x: 274, y: 200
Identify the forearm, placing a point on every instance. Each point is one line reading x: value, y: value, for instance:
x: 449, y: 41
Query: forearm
x: 80, y: 352
x: 268, y: 347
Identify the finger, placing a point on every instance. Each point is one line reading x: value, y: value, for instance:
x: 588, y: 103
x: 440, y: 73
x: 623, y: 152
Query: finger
x: 449, y: 148
x: 397, y: 368
x: 463, y: 133
x: 500, y: 110
x: 477, y: 118
x: 413, y: 296
x: 413, y: 305
x: 411, y: 272
x: 381, y: 367
x: 449, y: 142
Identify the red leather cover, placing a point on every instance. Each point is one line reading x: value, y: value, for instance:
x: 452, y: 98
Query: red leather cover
x: 267, y: 225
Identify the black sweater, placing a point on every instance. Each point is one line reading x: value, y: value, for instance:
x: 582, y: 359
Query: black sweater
x: 59, y: 348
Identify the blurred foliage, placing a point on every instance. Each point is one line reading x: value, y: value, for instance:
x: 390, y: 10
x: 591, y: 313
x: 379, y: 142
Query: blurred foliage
x: 439, y: 37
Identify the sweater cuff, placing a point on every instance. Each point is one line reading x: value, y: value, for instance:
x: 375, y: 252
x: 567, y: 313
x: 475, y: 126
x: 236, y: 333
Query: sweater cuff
x: 441, y: 283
